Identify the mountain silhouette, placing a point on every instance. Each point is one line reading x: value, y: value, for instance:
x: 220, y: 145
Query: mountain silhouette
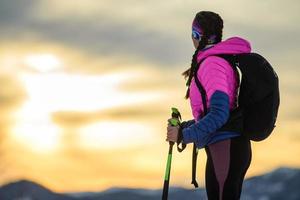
x: 282, y: 183
x: 27, y: 190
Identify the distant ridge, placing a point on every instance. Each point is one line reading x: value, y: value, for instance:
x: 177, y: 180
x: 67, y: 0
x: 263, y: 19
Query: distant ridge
x: 28, y: 190
x: 280, y: 184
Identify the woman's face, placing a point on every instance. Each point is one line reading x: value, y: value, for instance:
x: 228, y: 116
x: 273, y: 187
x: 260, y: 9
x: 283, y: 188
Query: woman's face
x: 195, y: 42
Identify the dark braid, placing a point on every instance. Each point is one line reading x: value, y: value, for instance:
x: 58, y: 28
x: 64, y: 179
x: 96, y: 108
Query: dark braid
x: 194, y: 65
x: 211, y: 24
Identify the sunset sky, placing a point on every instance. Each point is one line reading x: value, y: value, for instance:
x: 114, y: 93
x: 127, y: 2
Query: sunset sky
x: 86, y: 88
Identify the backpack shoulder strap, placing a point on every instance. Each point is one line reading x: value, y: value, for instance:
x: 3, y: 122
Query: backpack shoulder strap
x: 202, y: 90
x: 232, y: 59
x: 195, y: 150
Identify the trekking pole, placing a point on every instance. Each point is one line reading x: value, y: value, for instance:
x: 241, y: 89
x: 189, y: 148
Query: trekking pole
x: 176, y: 117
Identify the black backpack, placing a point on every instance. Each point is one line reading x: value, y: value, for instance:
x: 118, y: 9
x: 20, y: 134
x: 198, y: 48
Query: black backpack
x: 258, y: 99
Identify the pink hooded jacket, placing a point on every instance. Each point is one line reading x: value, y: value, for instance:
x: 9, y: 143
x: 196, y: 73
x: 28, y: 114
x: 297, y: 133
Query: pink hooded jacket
x: 215, y: 73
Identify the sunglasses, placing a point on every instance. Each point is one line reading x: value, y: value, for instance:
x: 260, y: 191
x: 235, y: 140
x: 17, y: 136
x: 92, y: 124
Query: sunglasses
x: 196, y: 34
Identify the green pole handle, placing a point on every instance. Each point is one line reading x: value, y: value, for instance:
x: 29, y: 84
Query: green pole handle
x: 176, y: 117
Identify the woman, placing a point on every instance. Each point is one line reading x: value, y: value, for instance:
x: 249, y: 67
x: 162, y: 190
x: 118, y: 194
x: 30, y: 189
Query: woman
x: 228, y: 152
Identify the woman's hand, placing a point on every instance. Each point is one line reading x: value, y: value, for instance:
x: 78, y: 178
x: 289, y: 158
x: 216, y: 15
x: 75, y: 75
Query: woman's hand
x: 172, y: 132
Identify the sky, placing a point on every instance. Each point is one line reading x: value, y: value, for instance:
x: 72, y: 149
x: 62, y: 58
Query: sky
x: 86, y: 88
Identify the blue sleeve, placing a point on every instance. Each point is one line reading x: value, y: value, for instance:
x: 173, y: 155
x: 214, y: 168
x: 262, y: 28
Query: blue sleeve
x: 188, y: 123
x: 216, y: 117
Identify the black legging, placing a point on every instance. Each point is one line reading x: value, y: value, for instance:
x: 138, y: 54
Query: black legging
x: 226, y: 166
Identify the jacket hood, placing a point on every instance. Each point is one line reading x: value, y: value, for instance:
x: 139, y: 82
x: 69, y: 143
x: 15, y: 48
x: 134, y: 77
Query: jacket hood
x: 233, y: 45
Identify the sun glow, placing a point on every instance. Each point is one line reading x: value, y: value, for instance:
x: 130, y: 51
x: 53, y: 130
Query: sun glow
x: 55, y: 92
x: 35, y: 130
x: 60, y: 91
x: 108, y: 134
x: 42, y: 62
x: 39, y: 134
